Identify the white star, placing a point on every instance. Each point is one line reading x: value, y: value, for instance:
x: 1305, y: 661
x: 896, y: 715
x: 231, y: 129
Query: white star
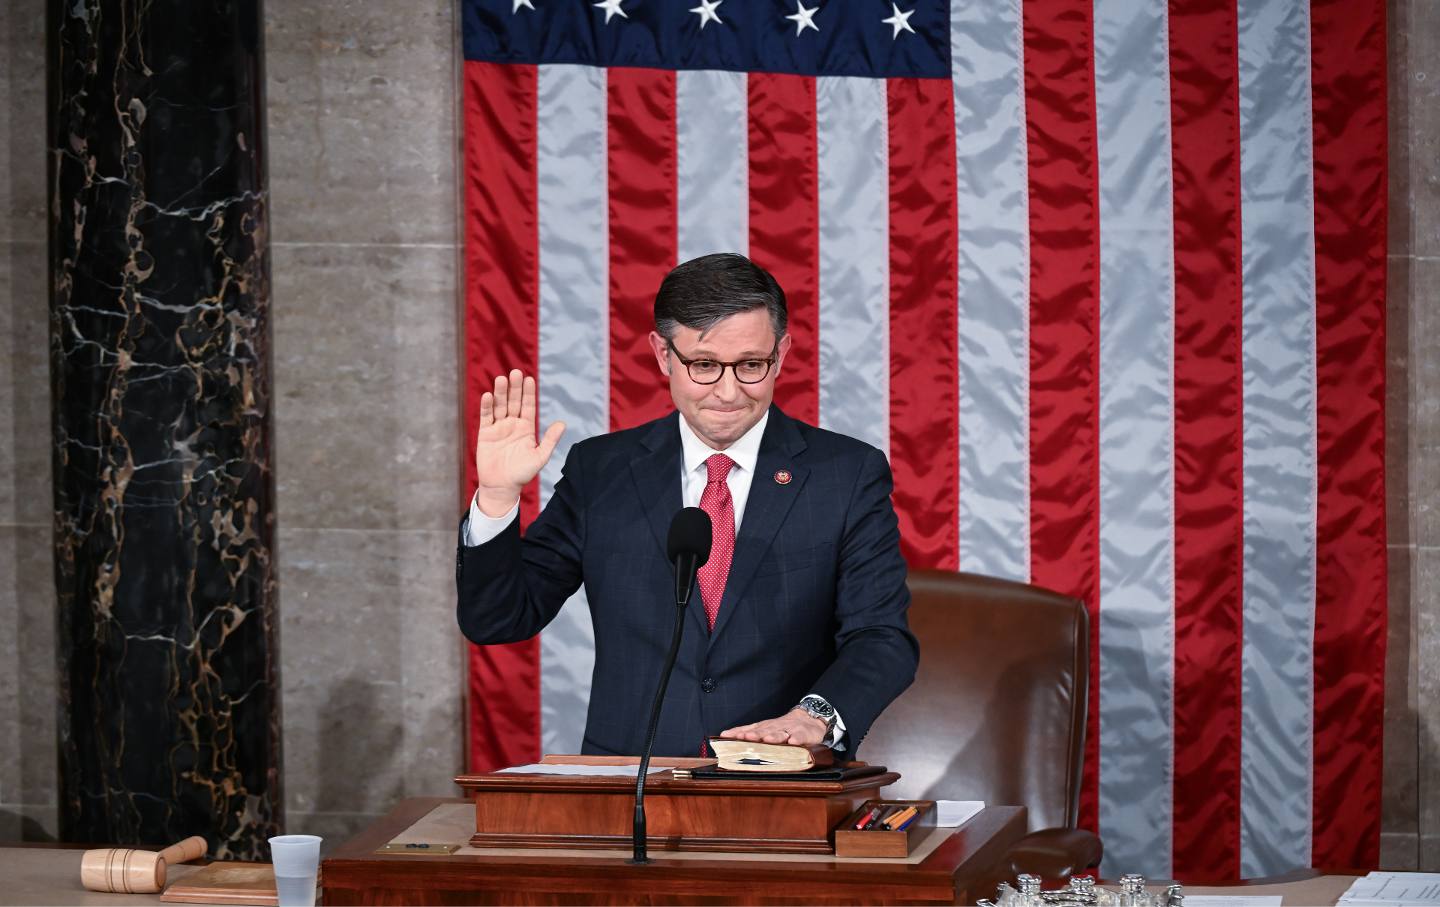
x: 519, y: 3
x: 707, y: 14
x: 899, y: 21
x: 803, y: 18
x: 611, y: 7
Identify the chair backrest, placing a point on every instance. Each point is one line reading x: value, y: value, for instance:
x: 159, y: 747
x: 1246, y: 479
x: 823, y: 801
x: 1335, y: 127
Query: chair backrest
x: 997, y: 710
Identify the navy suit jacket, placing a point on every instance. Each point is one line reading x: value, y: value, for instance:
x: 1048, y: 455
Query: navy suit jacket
x: 815, y: 600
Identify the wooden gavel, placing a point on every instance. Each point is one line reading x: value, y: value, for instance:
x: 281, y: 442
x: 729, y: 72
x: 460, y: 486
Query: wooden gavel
x: 131, y: 871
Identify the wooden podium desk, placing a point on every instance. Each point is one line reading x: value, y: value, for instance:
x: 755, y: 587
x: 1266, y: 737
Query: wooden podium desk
x: 355, y: 874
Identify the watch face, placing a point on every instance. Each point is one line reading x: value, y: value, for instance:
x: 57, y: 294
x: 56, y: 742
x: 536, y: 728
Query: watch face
x: 819, y: 708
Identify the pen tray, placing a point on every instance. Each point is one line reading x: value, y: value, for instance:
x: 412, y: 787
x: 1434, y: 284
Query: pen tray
x: 884, y: 843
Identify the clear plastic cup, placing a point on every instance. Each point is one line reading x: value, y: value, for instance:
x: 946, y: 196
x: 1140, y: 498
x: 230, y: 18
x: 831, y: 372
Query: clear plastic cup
x: 296, y: 859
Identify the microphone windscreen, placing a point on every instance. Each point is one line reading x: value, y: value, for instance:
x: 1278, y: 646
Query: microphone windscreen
x: 690, y: 534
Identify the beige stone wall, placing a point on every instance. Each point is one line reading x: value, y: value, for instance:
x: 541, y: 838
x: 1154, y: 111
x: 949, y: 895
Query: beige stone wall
x: 363, y: 147
x: 27, y: 588
x: 1411, y: 814
x: 362, y: 151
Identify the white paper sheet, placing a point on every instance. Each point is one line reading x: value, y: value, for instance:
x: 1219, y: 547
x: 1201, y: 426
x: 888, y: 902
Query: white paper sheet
x: 1404, y: 889
x: 954, y: 813
x: 618, y: 771
x: 1233, y: 900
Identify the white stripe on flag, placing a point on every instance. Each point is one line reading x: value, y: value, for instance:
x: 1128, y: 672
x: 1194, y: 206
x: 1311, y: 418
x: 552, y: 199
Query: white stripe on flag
x: 713, y: 163
x: 1137, y: 520
x: 574, y: 367
x: 1278, y: 351
x: 987, y: 71
x: 853, y: 153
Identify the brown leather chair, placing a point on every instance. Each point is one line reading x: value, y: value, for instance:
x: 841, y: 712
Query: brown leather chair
x: 997, y: 710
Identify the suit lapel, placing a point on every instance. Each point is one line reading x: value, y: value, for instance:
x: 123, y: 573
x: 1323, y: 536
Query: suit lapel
x: 657, y: 477
x: 765, y: 509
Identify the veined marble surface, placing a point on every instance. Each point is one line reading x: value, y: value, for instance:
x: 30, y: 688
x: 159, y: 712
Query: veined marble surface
x: 160, y: 363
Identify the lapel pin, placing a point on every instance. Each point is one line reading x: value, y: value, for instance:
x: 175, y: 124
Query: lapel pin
x: 782, y: 477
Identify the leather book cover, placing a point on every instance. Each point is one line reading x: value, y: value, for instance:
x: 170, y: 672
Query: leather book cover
x: 825, y: 773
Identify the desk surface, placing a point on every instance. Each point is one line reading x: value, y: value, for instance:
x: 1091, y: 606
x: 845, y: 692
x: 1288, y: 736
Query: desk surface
x: 533, y: 876
x: 1299, y: 889
x: 42, y: 875
x: 51, y: 875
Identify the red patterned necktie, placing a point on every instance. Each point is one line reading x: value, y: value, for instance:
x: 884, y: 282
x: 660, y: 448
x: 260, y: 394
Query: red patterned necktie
x: 717, y: 503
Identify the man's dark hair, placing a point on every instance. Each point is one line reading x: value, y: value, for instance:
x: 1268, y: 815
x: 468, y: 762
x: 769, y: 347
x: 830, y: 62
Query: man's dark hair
x: 702, y: 291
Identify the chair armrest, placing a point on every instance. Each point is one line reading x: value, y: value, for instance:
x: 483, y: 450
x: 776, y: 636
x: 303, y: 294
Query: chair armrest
x: 1054, y: 854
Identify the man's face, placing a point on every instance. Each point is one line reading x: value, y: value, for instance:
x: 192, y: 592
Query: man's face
x: 721, y: 412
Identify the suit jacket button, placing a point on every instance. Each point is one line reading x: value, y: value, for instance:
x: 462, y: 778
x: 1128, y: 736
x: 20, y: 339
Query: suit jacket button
x: 707, y: 685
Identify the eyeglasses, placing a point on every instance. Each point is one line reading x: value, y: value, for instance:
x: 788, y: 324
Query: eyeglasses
x: 708, y: 371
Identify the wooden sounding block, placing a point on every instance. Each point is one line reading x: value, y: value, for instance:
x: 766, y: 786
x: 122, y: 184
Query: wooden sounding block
x: 225, y: 883
x: 131, y: 871
x: 883, y: 842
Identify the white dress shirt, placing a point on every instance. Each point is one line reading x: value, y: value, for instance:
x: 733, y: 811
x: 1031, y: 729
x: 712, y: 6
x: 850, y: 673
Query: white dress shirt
x: 480, y: 528
x: 695, y: 474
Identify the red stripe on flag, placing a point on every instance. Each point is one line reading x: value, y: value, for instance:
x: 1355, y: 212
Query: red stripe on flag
x: 501, y: 286
x: 1064, y: 323
x: 642, y: 173
x: 924, y: 391
x: 785, y: 223
x: 1348, y: 83
x: 1209, y: 440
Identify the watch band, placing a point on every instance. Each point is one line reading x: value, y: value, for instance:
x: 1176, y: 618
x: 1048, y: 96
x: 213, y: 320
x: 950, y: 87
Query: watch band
x: 819, y: 707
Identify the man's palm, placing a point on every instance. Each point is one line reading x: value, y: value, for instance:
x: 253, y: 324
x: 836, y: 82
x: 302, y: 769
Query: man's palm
x: 507, y: 455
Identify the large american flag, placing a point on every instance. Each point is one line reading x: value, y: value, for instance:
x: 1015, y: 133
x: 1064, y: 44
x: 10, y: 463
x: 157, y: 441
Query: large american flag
x: 1104, y: 278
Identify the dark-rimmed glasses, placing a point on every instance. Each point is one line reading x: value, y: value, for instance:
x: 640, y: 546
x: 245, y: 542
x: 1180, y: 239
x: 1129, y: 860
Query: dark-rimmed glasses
x: 709, y: 371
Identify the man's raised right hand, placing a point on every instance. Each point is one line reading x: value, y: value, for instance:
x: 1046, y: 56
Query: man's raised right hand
x: 506, y: 454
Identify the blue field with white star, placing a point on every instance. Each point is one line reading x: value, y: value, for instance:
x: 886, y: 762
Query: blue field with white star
x: 866, y: 38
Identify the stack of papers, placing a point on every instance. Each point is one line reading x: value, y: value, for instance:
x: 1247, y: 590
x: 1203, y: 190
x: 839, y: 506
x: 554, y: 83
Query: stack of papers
x: 590, y: 771
x: 1395, y: 889
x: 955, y: 813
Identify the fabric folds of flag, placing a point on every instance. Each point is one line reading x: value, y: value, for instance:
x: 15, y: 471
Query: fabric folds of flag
x: 1104, y: 279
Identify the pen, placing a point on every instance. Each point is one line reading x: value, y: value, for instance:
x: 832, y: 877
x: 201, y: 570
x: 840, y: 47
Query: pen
x: 906, y: 824
x: 868, y: 818
x: 908, y: 812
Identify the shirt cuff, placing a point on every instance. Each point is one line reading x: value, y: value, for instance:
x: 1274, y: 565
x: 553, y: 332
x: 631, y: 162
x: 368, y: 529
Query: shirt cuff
x: 480, y: 528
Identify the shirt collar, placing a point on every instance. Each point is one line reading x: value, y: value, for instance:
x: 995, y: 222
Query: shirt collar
x: 744, y: 451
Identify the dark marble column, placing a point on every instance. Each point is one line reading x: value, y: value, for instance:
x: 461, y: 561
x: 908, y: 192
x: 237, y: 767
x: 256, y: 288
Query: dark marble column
x: 160, y: 363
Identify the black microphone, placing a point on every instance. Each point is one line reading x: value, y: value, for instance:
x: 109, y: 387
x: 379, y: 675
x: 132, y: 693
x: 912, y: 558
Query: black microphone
x: 688, y: 548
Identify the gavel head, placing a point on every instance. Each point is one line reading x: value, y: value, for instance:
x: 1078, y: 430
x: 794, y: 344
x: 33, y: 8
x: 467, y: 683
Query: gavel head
x: 122, y: 869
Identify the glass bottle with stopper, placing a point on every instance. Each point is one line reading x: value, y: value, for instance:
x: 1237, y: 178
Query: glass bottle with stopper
x: 1081, y: 891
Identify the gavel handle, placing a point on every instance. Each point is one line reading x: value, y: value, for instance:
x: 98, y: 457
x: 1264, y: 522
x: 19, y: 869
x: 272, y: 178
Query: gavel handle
x: 184, y: 851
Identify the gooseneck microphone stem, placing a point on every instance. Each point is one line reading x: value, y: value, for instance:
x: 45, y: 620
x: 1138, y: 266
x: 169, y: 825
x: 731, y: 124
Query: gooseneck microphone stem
x: 688, y: 548
x: 638, y: 833
x: 687, y: 565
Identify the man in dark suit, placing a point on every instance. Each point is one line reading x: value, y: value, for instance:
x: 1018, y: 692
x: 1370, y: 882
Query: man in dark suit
x: 800, y: 633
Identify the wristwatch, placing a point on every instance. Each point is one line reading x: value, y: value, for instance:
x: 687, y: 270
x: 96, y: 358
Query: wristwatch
x: 817, y: 707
